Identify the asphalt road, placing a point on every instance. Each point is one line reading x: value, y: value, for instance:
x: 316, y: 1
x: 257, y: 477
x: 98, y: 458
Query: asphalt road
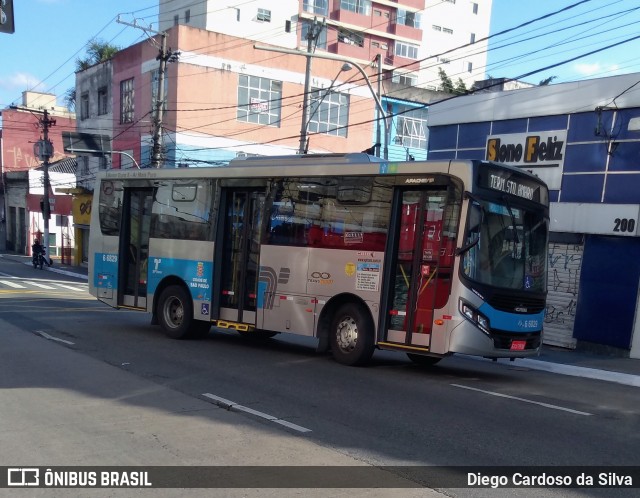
x: 460, y: 413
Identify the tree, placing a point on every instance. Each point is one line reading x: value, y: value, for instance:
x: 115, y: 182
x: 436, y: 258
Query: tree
x: 447, y: 85
x: 97, y: 51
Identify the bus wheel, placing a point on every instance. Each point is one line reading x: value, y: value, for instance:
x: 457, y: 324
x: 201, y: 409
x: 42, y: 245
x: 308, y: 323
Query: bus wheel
x: 351, y: 335
x: 175, y: 313
x: 423, y: 361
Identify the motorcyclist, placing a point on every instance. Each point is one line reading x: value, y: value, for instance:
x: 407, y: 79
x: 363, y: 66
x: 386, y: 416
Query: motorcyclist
x: 36, y: 248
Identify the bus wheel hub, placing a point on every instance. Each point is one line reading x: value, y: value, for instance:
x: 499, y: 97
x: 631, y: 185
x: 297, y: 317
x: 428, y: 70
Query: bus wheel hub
x: 347, y: 334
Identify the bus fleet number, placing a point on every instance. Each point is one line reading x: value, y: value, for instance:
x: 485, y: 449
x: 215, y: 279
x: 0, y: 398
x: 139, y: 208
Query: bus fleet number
x: 624, y: 225
x: 110, y: 258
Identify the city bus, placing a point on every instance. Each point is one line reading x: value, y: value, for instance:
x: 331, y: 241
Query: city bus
x: 427, y: 258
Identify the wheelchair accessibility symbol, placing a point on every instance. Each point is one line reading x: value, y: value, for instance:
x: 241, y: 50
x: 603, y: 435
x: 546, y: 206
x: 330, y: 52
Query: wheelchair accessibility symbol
x: 204, y: 310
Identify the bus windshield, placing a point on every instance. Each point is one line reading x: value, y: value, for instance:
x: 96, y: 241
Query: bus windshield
x: 506, y: 246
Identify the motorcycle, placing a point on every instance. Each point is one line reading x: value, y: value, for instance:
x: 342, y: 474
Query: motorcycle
x: 40, y: 259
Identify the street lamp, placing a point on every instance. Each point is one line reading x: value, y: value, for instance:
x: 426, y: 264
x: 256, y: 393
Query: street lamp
x: 345, y: 67
x: 382, y: 113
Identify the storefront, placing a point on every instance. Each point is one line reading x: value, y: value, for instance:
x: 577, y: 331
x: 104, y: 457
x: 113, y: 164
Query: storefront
x: 583, y: 139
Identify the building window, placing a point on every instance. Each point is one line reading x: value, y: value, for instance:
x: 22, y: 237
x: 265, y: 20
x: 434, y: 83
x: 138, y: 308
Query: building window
x: 264, y: 15
x: 103, y: 101
x: 102, y: 163
x: 155, y: 82
x: 472, y: 38
x: 187, y: 16
x: 320, y: 7
x: 436, y: 28
x: 470, y: 67
x: 475, y: 8
x: 259, y: 100
x: 408, y: 79
x: 412, y: 127
x: 126, y: 101
x: 350, y: 37
x: 411, y: 19
x: 328, y: 112
x: 358, y: 6
x: 449, y: 31
x: 84, y: 106
x: 406, y: 50
x: 176, y: 20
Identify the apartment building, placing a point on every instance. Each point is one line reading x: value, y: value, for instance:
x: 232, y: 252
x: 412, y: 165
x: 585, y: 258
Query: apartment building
x: 414, y: 38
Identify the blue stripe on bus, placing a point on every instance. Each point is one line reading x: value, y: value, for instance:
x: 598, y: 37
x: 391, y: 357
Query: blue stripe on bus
x: 262, y: 288
x: 512, y: 322
x: 197, y: 275
x: 105, y: 275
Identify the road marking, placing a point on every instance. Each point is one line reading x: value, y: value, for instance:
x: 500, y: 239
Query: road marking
x: 546, y: 405
x: 233, y: 406
x: 38, y: 284
x: 12, y: 284
x: 51, y: 338
x: 71, y: 288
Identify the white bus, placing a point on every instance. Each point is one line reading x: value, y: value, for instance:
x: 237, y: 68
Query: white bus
x: 428, y: 258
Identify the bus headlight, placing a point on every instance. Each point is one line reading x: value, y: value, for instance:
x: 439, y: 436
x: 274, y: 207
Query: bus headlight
x: 472, y: 314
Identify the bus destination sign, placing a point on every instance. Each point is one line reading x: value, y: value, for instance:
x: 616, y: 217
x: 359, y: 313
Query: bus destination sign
x: 513, y: 184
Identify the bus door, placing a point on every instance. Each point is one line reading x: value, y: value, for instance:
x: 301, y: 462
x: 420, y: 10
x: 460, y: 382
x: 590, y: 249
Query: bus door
x: 238, y: 255
x: 134, y: 247
x: 420, y: 271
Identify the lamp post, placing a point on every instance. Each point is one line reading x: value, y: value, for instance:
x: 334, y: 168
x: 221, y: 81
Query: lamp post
x: 382, y: 114
x: 345, y: 67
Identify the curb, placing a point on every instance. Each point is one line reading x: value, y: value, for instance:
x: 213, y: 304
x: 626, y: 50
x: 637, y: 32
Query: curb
x: 63, y: 272
x: 571, y: 370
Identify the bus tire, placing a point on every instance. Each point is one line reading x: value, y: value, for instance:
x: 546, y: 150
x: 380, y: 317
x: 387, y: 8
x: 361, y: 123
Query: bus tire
x: 422, y: 360
x: 351, y: 335
x: 175, y: 312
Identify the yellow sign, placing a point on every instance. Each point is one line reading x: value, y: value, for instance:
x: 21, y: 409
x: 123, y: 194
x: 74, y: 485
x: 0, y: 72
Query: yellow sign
x: 81, y: 209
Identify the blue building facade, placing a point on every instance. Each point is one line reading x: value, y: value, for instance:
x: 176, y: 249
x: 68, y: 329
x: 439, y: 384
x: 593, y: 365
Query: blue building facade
x: 583, y: 139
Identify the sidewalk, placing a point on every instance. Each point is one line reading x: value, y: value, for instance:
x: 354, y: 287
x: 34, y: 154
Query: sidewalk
x: 574, y: 362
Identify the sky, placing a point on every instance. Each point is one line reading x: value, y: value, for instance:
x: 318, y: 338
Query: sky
x: 51, y: 34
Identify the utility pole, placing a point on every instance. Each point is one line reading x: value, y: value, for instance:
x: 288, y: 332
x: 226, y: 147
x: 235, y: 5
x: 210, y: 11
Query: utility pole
x: 47, y: 150
x: 378, y: 132
x: 44, y: 149
x: 164, y: 56
x: 312, y: 37
x: 156, y: 154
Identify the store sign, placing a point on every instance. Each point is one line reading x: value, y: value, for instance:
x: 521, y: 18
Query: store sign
x: 541, y: 149
x: 542, y: 153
